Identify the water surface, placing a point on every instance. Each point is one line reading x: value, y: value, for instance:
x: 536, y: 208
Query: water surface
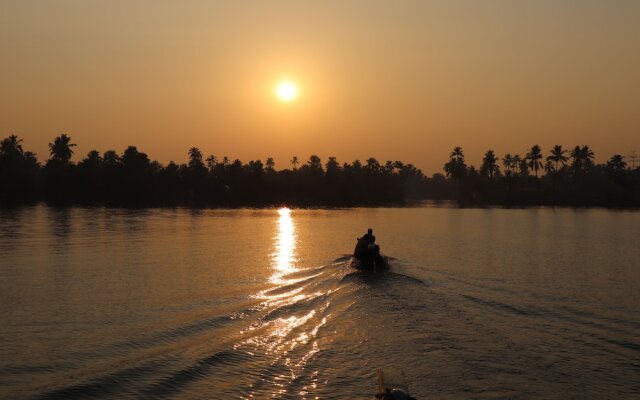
x: 211, y: 304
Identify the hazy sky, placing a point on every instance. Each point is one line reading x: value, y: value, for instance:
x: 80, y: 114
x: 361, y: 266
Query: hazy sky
x: 404, y: 80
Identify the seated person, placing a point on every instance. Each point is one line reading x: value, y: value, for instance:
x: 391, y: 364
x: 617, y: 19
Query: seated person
x: 369, y: 236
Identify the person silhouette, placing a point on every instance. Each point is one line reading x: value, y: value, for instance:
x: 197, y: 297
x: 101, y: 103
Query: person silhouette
x: 369, y: 236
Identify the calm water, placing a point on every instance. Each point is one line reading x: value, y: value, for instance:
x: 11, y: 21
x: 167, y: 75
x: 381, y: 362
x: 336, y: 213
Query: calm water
x: 216, y: 304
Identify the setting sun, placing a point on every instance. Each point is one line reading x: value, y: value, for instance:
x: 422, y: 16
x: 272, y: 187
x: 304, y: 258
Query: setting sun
x: 286, y: 91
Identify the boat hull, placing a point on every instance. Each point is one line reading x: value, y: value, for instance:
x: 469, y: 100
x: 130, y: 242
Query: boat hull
x: 373, y: 263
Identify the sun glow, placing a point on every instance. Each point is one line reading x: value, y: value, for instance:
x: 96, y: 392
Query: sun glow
x: 286, y: 91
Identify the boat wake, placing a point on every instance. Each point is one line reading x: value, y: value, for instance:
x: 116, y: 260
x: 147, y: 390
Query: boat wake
x: 300, y: 336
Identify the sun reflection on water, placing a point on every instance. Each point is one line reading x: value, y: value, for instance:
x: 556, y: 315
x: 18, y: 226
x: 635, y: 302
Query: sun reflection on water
x: 285, y: 246
x: 287, y: 334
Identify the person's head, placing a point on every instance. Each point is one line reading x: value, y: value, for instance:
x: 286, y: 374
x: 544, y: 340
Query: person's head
x: 370, y: 231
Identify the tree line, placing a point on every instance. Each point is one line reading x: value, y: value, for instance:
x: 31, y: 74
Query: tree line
x: 133, y: 179
x: 563, y: 177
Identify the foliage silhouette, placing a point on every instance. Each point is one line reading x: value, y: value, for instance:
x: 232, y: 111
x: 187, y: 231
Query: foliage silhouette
x: 132, y: 179
x: 583, y: 183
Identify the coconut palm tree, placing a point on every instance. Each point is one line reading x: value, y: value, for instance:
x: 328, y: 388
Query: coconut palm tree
x: 582, y: 158
x: 489, y: 165
x: 295, y: 162
x: 11, y: 146
x: 457, y: 154
x: 93, y: 158
x: 332, y: 167
x: 315, y: 162
x: 456, y: 167
x: 372, y: 165
x: 110, y: 158
x: 195, y: 158
x: 507, y: 163
x: 60, y: 148
x: 549, y: 167
x: 533, y: 158
x: 616, y: 164
x: 558, y: 156
x: 388, y: 167
x: 521, y: 164
x: 270, y: 164
x: 211, y: 162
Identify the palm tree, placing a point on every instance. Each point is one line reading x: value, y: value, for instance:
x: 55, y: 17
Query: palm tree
x: 549, y: 167
x: 521, y: 164
x: 457, y: 154
x: 60, y: 149
x: 507, y: 163
x: 582, y: 158
x: 315, y: 162
x: 93, y: 158
x: 558, y: 156
x: 110, y: 158
x: 489, y: 165
x: 294, y: 162
x: 617, y: 164
x: 211, y: 162
x: 270, y: 164
x: 11, y: 146
x: 588, y: 155
x: 388, y: 167
x: 534, y: 157
x: 195, y: 158
x: 332, y: 165
x: 456, y: 167
x: 372, y: 165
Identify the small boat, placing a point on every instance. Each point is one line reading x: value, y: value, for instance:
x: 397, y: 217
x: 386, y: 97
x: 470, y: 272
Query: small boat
x: 392, y: 385
x: 366, y: 257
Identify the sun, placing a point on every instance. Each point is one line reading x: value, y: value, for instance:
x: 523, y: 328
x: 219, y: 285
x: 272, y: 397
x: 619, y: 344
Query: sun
x: 286, y: 91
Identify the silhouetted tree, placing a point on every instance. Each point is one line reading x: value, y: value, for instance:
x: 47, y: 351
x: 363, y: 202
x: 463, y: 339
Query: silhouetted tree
x: 195, y: 159
x: 19, y: 171
x: 315, y: 163
x: 549, y: 167
x: 111, y: 158
x: 489, y: 167
x: 456, y: 167
x: 558, y: 157
x: 211, y: 163
x: 523, y: 166
x: 508, y: 164
x: 617, y: 164
x: 332, y: 166
x: 270, y: 164
x: 60, y: 148
x: 533, y: 159
x: 582, y: 159
x: 134, y: 180
x: 11, y: 147
x: 372, y: 166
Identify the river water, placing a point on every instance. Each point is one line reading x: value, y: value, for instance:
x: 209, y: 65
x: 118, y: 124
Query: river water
x: 218, y: 304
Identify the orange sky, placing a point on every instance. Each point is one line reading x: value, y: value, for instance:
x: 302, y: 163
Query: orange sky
x: 404, y: 80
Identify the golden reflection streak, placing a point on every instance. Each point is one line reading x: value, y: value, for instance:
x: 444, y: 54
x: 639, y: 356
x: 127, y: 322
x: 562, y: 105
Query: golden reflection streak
x: 282, y: 336
x: 285, y: 246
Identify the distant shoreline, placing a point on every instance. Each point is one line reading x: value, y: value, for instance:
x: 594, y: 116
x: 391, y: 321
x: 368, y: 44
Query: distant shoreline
x: 132, y: 179
x: 424, y: 203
